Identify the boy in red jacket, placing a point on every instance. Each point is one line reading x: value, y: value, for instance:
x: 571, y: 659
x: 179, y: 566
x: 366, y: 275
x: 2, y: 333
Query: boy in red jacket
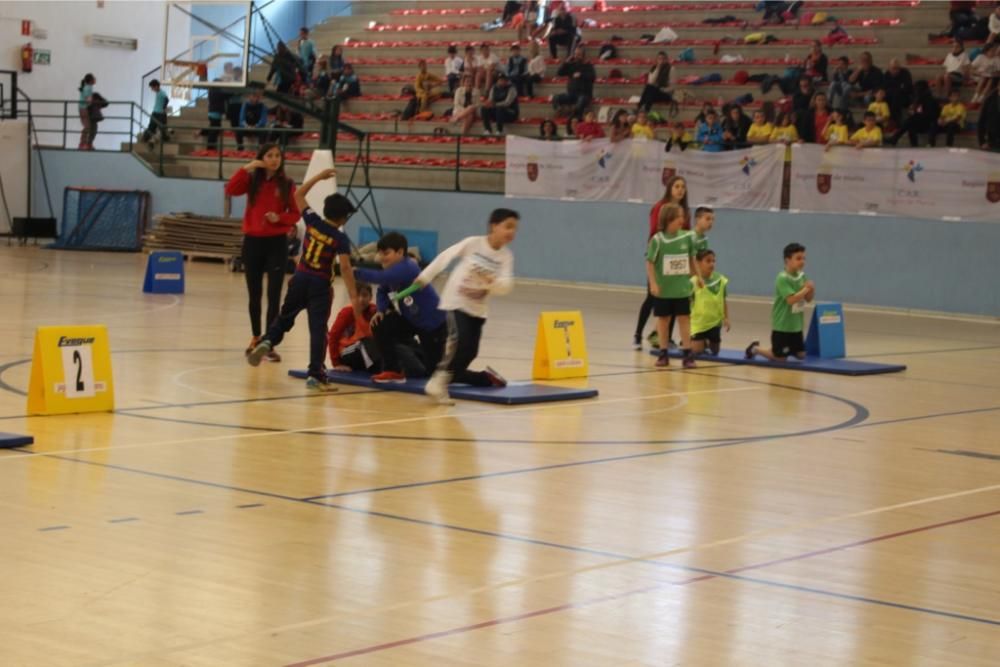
x: 350, y: 342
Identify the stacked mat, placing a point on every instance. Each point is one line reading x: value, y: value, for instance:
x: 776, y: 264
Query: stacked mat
x: 196, y: 235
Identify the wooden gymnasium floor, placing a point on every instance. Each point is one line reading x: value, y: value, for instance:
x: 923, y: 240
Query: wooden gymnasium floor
x: 724, y: 516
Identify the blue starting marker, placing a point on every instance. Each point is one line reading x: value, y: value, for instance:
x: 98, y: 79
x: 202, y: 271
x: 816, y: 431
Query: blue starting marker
x: 826, y: 338
x: 164, y: 273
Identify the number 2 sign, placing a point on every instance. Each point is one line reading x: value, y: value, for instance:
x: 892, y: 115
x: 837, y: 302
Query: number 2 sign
x: 71, y: 371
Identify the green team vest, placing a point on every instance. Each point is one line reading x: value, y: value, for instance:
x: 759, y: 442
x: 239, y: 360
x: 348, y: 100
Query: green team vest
x: 708, y: 308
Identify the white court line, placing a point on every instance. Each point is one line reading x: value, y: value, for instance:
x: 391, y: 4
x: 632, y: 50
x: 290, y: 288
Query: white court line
x: 176, y: 380
x: 383, y: 422
x: 524, y: 581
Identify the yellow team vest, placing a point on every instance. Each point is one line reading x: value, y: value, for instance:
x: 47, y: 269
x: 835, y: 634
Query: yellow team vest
x: 708, y: 308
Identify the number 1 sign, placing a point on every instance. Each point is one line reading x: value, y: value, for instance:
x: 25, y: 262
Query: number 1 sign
x: 70, y: 371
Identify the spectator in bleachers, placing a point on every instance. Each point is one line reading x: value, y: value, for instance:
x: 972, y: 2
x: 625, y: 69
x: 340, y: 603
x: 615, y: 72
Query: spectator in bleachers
x: 802, y: 97
x: 760, y: 130
x: 952, y: 118
x: 500, y: 106
x: 517, y: 69
x: 253, y: 116
x: 579, y: 86
x: 924, y: 113
x: 703, y: 114
x: 709, y: 134
x: 837, y: 93
x: 286, y: 119
x: 619, y: 127
x: 284, y: 66
x: 89, y: 132
x: 994, y: 25
x: 811, y: 123
x: 835, y: 133
x: 469, y: 63
x: 427, y: 86
x: 548, y: 130
x: 307, y: 53
x: 572, y: 127
x: 735, y: 127
x: 642, y: 128
x: 784, y: 131
x: 956, y: 68
x: 880, y: 107
x: 453, y: 66
x: 898, y: 85
x: 487, y: 67
x: 961, y: 15
x: 988, y: 127
x: 536, y: 69
x: 869, y: 135
x: 865, y: 80
x: 659, y: 83
x: 816, y: 63
x: 218, y: 99
x: 466, y: 102
x: 510, y: 10
x: 679, y: 137
x: 985, y: 70
x: 348, y: 85
x: 589, y: 128
x: 563, y: 32
x: 336, y: 62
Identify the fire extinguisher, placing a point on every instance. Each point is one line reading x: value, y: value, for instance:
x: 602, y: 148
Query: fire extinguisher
x: 27, y: 57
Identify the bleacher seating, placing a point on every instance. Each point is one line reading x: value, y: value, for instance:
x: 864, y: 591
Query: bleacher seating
x: 385, y: 49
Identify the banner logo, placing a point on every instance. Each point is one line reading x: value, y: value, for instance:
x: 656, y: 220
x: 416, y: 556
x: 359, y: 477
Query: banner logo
x: 993, y: 188
x: 824, y: 182
x: 746, y: 164
x: 604, y: 158
x: 532, y: 168
x: 669, y: 171
x: 911, y: 170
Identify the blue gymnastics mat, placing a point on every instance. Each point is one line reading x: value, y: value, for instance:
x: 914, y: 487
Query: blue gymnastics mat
x: 515, y: 393
x: 809, y: 364
x: 14, y: 440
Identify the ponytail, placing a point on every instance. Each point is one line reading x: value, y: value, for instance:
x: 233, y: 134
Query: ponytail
x: 88, y: 79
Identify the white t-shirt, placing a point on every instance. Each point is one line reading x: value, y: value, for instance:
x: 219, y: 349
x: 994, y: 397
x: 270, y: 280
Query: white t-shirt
x: 490, y: 62
x: 453, y: 65
x: 986, y: 67
x: 953, y: 63
x: 994, y: 23
x: 481, y: 271
x: 537, y: 65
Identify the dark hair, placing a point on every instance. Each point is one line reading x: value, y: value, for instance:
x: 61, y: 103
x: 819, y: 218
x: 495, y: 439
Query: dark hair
x: 155, y: 83
x: 304, y: 29
x: 87, y: 80
x: 703, y: 253
x: 337, y: 207
x: 661, y: 53
x: 668, y: 214
x: 280, y: 179
x: 703, y: 210
x: 621, y: 113
x: 790, y: 115
x: 844, y: 59
x: 670, y: 186
x: 363, y: 287
x: 393, y: 241
x: 960, y: 42
x: 500, y: 214
x: 548, y: 122
x: 452, y: 49
x: 793, y: 248
x: 869, y: 114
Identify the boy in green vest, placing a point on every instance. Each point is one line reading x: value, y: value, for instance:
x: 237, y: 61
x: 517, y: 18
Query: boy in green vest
x: 792, y: 290
x: 669, y: 269
x: 709, y: 310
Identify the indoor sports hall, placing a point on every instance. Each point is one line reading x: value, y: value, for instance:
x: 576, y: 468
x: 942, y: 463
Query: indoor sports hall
x: 584, y: 492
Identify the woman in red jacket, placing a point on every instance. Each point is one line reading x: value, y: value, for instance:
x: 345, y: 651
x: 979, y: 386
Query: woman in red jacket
x: 675, y: 193
x: 270, y: 213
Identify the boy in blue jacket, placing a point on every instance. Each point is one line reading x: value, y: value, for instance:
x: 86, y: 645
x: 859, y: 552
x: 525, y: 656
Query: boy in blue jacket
x: 418, y: 315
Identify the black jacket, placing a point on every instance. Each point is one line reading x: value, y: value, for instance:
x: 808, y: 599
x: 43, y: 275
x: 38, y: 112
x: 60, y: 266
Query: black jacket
x: 989, y: 122
x: 584, y: 85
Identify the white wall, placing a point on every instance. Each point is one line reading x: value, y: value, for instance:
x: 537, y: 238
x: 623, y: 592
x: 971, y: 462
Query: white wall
x: 68, y: 25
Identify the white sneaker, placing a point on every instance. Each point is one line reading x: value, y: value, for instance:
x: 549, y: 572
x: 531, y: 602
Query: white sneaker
x: 437, y: 387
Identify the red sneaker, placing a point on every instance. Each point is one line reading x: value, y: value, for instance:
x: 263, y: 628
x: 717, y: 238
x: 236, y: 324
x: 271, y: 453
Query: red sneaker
x: 389, y: 377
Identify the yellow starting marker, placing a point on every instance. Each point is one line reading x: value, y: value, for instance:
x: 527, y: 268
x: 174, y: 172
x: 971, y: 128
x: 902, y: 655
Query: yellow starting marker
x: 560, y: 347
x: 71, y: 371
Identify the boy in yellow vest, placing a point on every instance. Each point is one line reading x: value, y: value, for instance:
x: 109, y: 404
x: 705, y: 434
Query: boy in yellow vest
x: 709, y: 310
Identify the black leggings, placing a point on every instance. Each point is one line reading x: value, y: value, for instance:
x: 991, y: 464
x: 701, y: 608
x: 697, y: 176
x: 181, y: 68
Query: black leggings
x: 464, y: 332
x: 312, y: 294
x: 264, y: 255
x: 645, y: 310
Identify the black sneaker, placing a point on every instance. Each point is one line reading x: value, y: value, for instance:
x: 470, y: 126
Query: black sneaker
x: 751, y: 350
x: 496, y: 379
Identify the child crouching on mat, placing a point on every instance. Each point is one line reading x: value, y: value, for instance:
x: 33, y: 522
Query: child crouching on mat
x: 792, y: 290
x: 709, y: 309
x: 310, y: 288
x: 485, y: 267
x: 350, y: 341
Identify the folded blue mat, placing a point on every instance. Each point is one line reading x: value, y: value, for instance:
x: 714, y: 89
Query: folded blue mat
x: 812, y: 364
x: 14, y: 440
x: 515, y: 393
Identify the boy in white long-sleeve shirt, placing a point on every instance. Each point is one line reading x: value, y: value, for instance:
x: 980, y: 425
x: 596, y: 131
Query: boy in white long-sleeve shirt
x: 485, y: 267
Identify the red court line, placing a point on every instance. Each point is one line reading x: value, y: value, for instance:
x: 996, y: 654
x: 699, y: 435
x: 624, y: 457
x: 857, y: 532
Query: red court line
x: 637, y: 591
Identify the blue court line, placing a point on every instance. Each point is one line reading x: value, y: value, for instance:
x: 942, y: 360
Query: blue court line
x: 537, y: 542
x: 965, y: 452
x: 126, y: 519
x: 249, y: 506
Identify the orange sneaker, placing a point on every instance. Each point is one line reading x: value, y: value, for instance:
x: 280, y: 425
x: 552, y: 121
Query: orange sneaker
x: 387, y: 377
x: 253, y: 343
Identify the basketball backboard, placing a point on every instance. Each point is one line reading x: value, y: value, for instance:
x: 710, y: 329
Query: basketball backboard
x: 205, y: 45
